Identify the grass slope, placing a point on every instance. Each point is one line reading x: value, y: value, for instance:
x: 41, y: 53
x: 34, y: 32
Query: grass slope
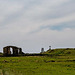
x: 62, y: 63
x: 63, y: 51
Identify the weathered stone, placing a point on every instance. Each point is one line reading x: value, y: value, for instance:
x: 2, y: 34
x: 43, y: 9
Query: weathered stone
x: 15, y: 50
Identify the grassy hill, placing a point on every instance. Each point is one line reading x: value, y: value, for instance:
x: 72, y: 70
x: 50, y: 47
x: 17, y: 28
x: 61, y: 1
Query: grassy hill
x: 55, y: 62
x: 62, y: 52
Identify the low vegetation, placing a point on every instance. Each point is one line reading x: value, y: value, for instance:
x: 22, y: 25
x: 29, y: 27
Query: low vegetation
x: 55, y: 62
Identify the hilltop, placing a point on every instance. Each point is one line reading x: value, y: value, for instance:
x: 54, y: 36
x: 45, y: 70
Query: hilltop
x: 17, y: 51
x: 61, y: 52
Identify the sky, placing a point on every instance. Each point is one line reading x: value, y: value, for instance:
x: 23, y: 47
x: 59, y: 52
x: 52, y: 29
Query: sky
x: 36, y: 24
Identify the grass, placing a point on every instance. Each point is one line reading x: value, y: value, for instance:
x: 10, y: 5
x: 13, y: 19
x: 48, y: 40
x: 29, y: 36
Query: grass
x: 37, y: 65
x: 62, y: 63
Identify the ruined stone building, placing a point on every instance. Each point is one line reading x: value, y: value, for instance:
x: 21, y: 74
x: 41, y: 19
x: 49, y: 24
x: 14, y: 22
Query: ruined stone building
x: 12, y: 50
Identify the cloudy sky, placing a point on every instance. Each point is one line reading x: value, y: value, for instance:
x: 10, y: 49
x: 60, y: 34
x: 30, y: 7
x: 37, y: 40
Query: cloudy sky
x: 33, y: 24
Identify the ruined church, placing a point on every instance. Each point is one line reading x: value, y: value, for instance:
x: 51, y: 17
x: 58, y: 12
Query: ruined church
x: 12, y: 50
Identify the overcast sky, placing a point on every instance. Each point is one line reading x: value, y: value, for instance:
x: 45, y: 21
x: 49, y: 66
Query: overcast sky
x: 33, y: 24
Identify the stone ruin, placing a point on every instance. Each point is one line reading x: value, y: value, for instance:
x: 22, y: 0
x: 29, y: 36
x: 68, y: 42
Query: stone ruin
x: 42, y: 50
x: 12, y: 50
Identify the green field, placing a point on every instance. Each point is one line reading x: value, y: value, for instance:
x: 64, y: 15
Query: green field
x: 61, y: 62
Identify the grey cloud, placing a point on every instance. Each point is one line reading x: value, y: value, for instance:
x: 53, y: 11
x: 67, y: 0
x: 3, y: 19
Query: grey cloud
x: 30, y: 23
